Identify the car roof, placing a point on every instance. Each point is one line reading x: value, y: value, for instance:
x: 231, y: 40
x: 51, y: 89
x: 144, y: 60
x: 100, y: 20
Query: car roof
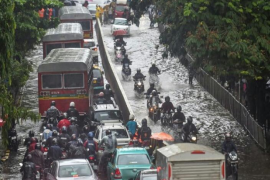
x: 113, y: 126
x: 132, y: 150
x: 72, y: 162
x: 102, y: 107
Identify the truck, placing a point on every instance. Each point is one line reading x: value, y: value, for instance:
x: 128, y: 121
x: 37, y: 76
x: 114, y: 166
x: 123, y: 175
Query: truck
x: 188, y: 161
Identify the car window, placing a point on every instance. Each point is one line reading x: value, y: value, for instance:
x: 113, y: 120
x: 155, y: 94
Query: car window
x: 76, y: 170
x: 96, y: 73
x: 131, y: 159
x: 88, y: 44
x: 120, y: 8
x: 119, y: 133
x: 107, y: 115
x: 120, y: 22
x: 97, y: 134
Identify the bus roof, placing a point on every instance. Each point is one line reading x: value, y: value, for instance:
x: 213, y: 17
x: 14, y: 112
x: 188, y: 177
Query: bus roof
x: 64, y: 32
x: 74, y: 12
x: 66, y: 59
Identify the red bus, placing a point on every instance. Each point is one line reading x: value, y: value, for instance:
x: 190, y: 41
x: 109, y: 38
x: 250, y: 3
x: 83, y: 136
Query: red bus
x: 63, y: 78
x: 66, y: 35
x: 80, y: 15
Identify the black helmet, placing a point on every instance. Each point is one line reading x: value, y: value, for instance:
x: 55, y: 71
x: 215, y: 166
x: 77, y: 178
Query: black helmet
x: 29, y: 157
x: 73, y: 137
x: 49, y: 126
x: 38, y: 146
x: 167, y: 98
x: 64, y: 129
x: 189, y: 119
x: 144, y: 122
x: 154, y: 93
x: 179, y: 108
x: 153, y: 65
x: 53, y: 103
x: 138, y: 70
x: 227, y: 136
x: 152, y: 85
x: 108, y: 132
x: 107, y: 86
x: 79, y: 142
x: 126, y: 56
x: 31, y: 133
x: 85, y: 129
x: 54, y: 141
x: 54, y: 133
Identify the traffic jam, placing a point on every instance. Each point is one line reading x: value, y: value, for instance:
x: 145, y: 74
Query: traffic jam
x: 83, y: 134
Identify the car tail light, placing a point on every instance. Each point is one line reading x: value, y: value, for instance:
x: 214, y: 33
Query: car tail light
x: 197, y: 152
x: 45, y: 150
x: 169, y: 171
x: 223, y: 170
x: 91, y: 158
x: 117, y: 174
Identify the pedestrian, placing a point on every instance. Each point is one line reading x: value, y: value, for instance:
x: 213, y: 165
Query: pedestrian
x: 50, y: 13
x: 97, y: 12
x: 41, y: 13
x: 132, y: 125
x: 191, y: 74
x: 110, y: 12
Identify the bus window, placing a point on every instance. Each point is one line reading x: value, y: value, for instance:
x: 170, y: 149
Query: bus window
x: 50, y: 47
x: 72, y: 45
x: 73, y: 80
x: 85, y: 25
x: 51, y: 81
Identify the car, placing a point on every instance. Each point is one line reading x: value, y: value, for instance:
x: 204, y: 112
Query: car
x: 91, y: 44
x: 72, y: 168
x: 96, y: 79
x: 120, y: 24
x: 119, y: 10
x: 127, y: 162
x: 120, y: 132
x: 107, y: 114
x: 149, y: 174
x: 92, y: 9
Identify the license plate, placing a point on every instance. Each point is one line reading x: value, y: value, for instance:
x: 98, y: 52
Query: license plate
x: 86, y: 35
x: 92, y: 164
x: 13, y: 138
x: 146, y: 147
x: 94, y: 81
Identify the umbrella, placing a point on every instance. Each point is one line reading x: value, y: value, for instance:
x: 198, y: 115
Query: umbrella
x: 119, y: 32
x: 162, y: 136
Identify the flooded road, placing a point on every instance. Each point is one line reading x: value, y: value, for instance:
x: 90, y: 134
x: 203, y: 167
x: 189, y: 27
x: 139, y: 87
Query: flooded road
x: 208, y: 114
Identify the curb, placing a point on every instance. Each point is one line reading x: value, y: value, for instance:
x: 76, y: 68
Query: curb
x: 5, y: 156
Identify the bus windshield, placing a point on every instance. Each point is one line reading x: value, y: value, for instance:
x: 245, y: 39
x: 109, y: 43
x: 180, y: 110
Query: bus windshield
x: 74, y: 80
x: 51, y: 81
x: 85, y: 25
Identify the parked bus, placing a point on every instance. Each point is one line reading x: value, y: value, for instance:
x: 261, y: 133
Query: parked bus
x: 80, y: 15
x: 63, y: 78
x: 66, y: 35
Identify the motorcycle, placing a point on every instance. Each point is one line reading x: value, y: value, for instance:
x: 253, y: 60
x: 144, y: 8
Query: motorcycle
x: 191, y: 138
x: 153, y: 108
x: 167, y: 119
x: 154, y: 79
x: 13, y: 140
x: 126, y: 72
x: 39, y: 171
x: 139, y: 88
x: 118, y: 54
x: 92, y: 160
x: 232, y: 165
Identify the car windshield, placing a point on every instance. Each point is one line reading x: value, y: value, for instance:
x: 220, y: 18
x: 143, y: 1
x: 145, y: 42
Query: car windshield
x: 130, y: 159
x: 76, y: 170
x: 107, y: 115
x: 92, y: 7
x: 121, y: 8
x: 88, y: 44
x: 96, y: 73
x: 119, y: 133
x: 120, y: 22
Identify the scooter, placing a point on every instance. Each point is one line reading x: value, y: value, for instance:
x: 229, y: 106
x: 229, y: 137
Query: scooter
x: 167, y: 119
x: 126, y: 72
x: 191, y: 138
x: 118, y: 54
x: 139, y: 88
x: 154, y: 79
x: 232, y: 165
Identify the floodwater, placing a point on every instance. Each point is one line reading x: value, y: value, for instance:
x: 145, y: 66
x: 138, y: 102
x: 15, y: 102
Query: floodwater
x: 208, y: 114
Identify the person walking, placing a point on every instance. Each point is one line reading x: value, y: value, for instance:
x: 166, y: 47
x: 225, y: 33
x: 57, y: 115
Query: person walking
x: 132, y: 125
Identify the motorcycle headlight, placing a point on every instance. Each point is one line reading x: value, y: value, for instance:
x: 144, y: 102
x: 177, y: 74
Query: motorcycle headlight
x: 139, y: 83
x: 233, y: 157
x: 155, y: 107
x: 194, y: 138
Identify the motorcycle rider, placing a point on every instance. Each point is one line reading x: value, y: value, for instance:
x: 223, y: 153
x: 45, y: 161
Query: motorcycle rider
x: 101, y: 99
x: 108, y: 93
x: 154, y: 69
x: 64, y: 138
x: 188, y: 128
x: 12, y: 133
x: 38, y: 158
x: 155, y: 97
x: 110, y: 146
x: 47, y: 132
x: 228, y: 146
x: 123, y: 50
x: 32, y: 145
x: 80, y: 151
x: 178, y: 117
x: 73, y: 128
x: 151, y: 88
x: 54, y: 113
x: 72, y: 111
x: 27, y: 140
x: 132, y: 125
x: 49, y: 140
x: 167, y: 106
x: 91, y: 144
x: 64, y: 122
x: 138, y: 76
x: 119, y: 42
x: 55, y: 151
x: 144, y: 133
x: 28, y: 169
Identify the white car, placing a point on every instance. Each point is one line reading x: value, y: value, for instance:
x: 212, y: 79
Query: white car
x: 120, y: 132
x: 91, y: 44
x: 92, y: 9
x: 120, y: 24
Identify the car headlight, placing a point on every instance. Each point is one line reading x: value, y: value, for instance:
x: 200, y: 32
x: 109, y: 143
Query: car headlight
x: 193, y: 138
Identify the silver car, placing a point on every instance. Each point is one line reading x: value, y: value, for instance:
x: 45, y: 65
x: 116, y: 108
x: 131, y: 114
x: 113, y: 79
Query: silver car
x: 72, y: 168
x: 92, y: 9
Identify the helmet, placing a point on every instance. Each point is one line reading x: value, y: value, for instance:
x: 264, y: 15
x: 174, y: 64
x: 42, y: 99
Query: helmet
x: 54, y: 133
x: 91, y: 135
x: 154, y: 93
x: 29, y: 157
x: 79, y: 142
x: 179, y: 108
x: 72, y: 104
x: 64, y: 129
x: 108, y: 86
x: 31, y: 133
x: 73, y: 137
x: 108, y: 132
x: 153, y: 65
x: 152, y: 85
x: 38, y: 146
x: 189, y: 119
x: 33, y: 140
x: 101, y: 94
x: 167, y: 98
x: 131, y: 116
x: 126, y: 56
x: 49, y: 126
x: 83, y: 136
x: 85, y: 129
x: 53, y: 103
x: 144, y: 122
x: 65, y: 115
x: 54, y: 141
x: 138, y: 70
x: 73, y: 120
x: 227, y: 136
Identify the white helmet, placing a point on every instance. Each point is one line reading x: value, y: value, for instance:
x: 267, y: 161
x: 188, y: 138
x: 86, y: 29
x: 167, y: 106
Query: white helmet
x: 131, y: 116
x: 72, y: 104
